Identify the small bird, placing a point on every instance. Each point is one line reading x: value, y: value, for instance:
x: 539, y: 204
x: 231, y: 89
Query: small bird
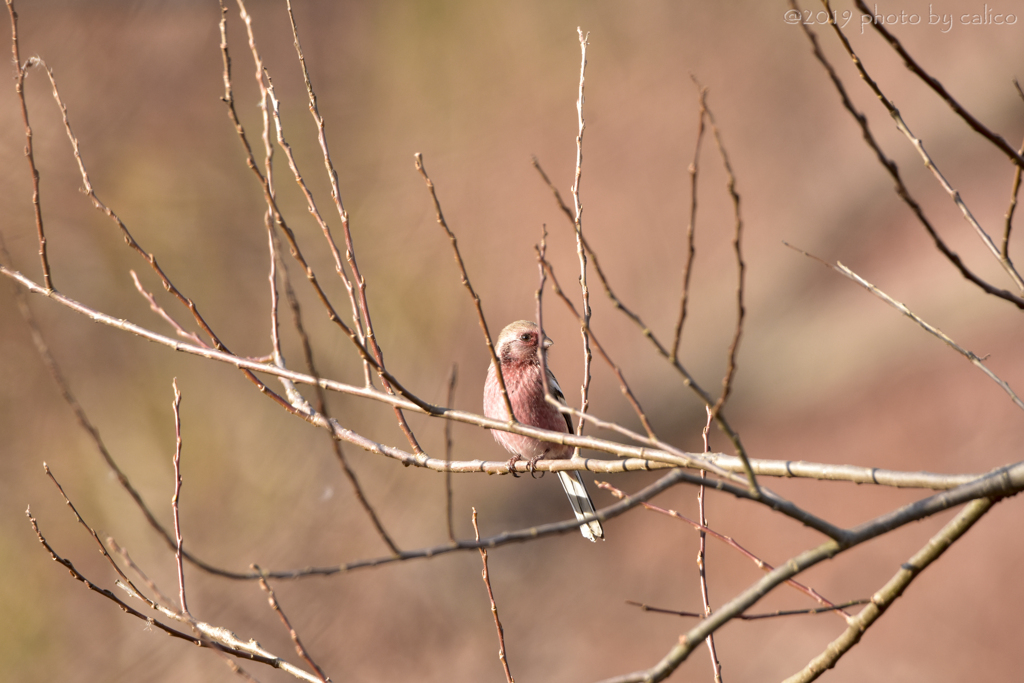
x: 518, y: 351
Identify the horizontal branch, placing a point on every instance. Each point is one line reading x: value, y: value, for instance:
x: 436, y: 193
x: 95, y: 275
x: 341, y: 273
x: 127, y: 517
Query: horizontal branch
x: 632, y: 458
x: 1001, y: 483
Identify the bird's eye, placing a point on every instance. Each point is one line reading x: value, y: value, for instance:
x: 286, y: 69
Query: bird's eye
x: 525, y: 336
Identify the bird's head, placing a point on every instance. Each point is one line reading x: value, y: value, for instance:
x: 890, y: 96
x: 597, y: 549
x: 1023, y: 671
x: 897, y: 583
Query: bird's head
x: 519, y: 342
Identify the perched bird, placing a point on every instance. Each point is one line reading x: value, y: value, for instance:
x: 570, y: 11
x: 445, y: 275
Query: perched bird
x: 518, y: 351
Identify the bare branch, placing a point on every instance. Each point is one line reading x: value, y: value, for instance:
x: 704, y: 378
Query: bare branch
x: 580, y: 250
x: 934, y: 84
x: 299, y: 647
x: 890, y: 166
x: 19, y: 88
x: 494, y: 607
x: 902, y: 308
x: 453, y: 377
x: 176, y: 406
x: 691, y: 226
x: 889, y: 593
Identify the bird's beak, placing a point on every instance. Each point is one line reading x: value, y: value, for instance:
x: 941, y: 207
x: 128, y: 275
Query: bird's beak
x: 547, y: 342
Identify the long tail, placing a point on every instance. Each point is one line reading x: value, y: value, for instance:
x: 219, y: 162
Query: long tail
x: 572, y: 482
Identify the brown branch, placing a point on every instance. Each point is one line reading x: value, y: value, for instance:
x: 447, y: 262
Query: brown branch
x: 890, y: 166
x: 358, y: 340
x: 453, y: 377
x: 997, y: 140
x: 633, y: 458
x: 209, y: 635
x: 494, y: 607
x: 504, y: 538
x: 299, y: 648
x: 369, y: 340
x: 176, y: 406
x: 19, y: 88
x: 1001, y: 483
x: 1004, y: 249
x: 581, y: 252
x: 688, y: 379
x: 730, y: 370
x: 751, y: 617
x: 467, y: 284
x: 892, y: 590
x: 159, y: 310
x: 691, y: 226
x: 585, y: 323
x: 902, y: 308
x: 716, y: 665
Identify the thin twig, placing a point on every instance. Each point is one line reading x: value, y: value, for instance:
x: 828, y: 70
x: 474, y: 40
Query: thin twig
x: 494, y: 607
x: 890, y: 166
x: 467, y: 284
x: 934, y: 84
x: 159, y: 310
x: 148, y: 257
x: 691, y: 226
x: 213, y: 637
x: 585, y: 323
x: 902, y: 308
x: 369, y: 340
x: 453, y: 378
x: 299, y: 647
x: 19, y: 88
x: 176, y: 406
x: 741, y: 268
x: 130, y: 563
x: 332, y: 315
x: 581, y: 252
x: 892, y: 590
x: 1004, y: 249
x: 716, y: 665
x: 753, y: 617
x: 688, y: 379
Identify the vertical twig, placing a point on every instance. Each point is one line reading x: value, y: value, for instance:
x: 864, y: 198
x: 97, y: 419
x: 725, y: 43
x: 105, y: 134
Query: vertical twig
x: 176, y: 405
x: 580, y: 251
x: 369, y: 339
x: 453, y: 378
x: 299, y: 647
x: 701, y: 549
x: 19, y: 88
x: 494, y: 607
x: 730, y: 370
x: 691, y: 226
x: 542, y: 250
x: 1004, y: 250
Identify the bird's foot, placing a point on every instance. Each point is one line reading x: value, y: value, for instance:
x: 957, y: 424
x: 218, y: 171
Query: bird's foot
x: 512, y: 465
x: 532, y: 468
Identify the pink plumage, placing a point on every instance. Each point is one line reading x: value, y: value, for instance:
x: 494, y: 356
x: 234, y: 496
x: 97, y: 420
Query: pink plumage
x: 518, y: 350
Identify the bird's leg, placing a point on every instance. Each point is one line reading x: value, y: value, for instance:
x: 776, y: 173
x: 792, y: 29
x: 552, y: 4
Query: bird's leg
x: 512, y: 464
x: 532, y: 468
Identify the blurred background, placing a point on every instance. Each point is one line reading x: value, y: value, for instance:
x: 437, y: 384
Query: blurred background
x: 827, y: 372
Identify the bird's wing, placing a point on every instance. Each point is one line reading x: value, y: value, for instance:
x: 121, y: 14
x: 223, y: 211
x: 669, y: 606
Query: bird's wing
x: 556, y: 391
